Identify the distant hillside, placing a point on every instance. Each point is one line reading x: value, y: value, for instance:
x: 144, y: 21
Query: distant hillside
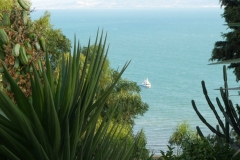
x: 64, y: 4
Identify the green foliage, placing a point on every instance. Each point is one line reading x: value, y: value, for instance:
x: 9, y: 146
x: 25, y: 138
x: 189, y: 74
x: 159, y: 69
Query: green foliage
x: 228, y: 48
x: 141, y: 152
x: 32, y: 37
x: 55, y: 40
x: 126, y: 96
x: 182, y: 133
x: 5, y: 5
x: 60, y: 120
x: 169, y: 155
x: 206, y: 148
x: 194, y: 147
x: 106, y: 76
x: 122, y: 131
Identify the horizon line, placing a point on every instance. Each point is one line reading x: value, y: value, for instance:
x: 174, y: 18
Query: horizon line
x: 159, y: 7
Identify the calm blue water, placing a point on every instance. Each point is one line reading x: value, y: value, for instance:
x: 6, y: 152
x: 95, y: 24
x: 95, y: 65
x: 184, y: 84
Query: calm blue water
x: 169, y: 46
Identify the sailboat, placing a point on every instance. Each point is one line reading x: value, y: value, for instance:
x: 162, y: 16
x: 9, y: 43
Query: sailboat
x: 146, y: 83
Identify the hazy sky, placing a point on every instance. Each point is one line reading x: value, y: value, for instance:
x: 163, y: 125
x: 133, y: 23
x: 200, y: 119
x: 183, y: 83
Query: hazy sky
x: 64, y: 4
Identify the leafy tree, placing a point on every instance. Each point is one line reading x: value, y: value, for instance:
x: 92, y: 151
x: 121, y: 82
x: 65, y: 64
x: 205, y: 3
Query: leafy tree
x: 141, y: 152
x: 182, y: 133
x: 229, y: 48
x: 56, y: 41
x: 6, y: 5
x: 126, y: 97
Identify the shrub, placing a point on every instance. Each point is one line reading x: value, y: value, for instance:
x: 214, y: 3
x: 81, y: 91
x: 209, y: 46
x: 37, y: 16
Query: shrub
x: 192, y: 147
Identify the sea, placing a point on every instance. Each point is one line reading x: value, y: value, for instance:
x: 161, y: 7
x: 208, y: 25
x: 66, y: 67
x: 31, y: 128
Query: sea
x: 169, y: 46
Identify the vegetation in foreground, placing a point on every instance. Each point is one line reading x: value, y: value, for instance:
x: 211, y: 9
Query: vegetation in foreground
x: 187, y: 144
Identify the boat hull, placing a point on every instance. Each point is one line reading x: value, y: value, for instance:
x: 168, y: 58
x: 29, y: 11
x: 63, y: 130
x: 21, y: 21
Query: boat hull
x: 146, y: 85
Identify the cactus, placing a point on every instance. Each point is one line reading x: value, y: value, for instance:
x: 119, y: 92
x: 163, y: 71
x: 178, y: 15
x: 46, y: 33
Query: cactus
x: 199, y: 132
x: 3, y: 36
x: 231, y: 117
x: 28, y: 45
x: 15, y: 50
x: 37, y: 46
x: 24, y: 47
x: 24, y: 17
x: 32, y: 36
x: 22, y: 56
x: 24, y: 5
x: 6, y: 19
x: 16, y: 63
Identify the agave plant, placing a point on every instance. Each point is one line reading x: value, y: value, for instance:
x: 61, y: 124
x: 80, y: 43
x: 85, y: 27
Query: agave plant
x: 59, y: 121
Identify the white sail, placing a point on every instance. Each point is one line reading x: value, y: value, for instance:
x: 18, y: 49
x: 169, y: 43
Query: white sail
x: 146, y: 83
